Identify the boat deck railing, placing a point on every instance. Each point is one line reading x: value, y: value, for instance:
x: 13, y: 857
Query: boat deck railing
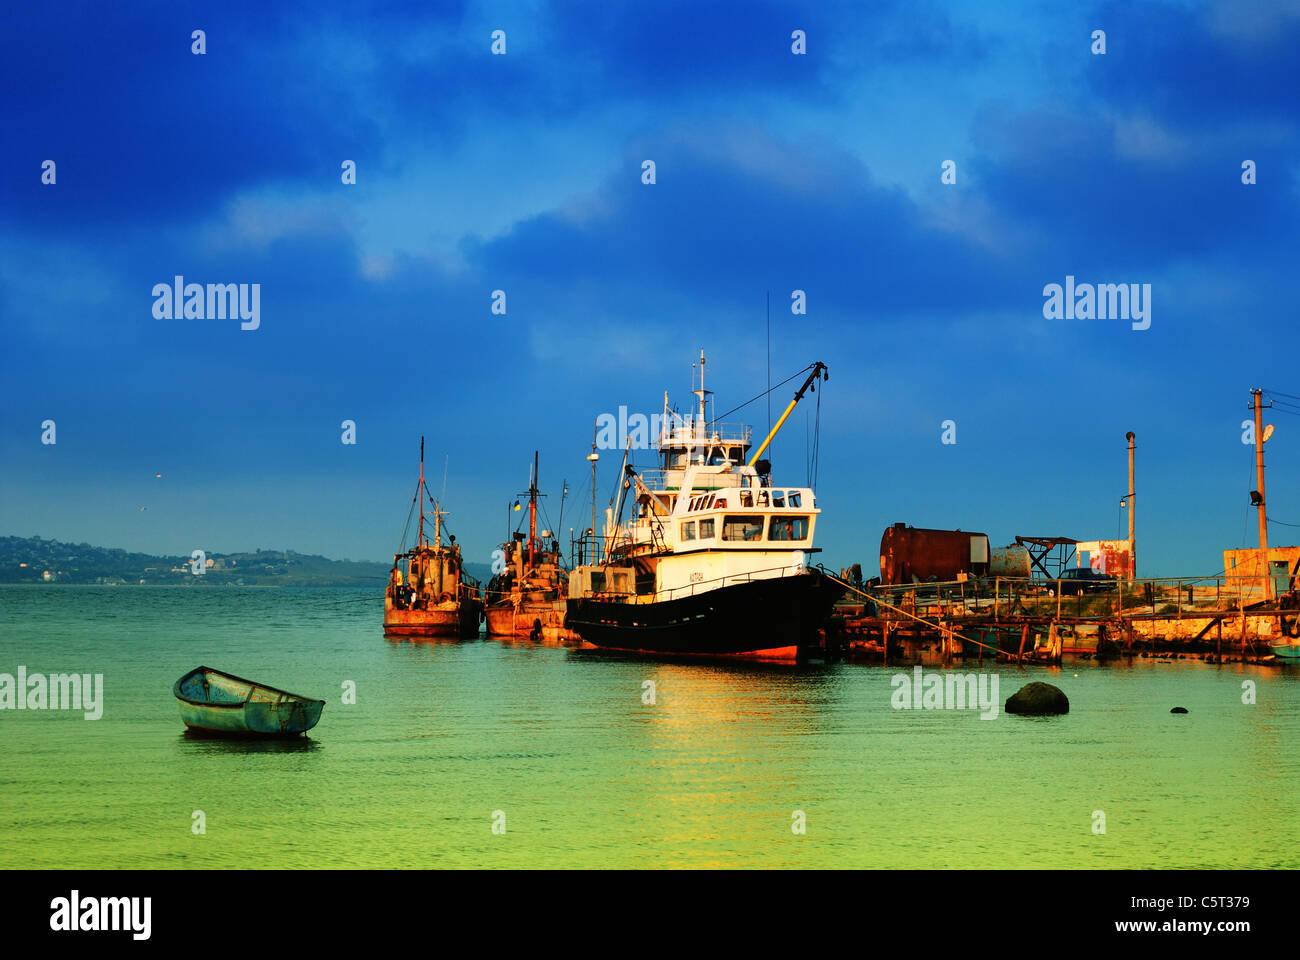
x: 703, y: 586
x: 718, y: 434
x: 587, y: 550
x: 690, y: 589
x: 670, y: 481
x: 658, y: 480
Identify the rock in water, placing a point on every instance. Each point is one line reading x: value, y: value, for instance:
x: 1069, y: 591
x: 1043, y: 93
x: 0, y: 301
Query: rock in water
x: 1178, y: 710
x: 1038, y: 699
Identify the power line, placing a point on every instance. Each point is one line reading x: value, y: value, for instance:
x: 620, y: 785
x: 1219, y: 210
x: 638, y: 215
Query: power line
x: 1278, y: 393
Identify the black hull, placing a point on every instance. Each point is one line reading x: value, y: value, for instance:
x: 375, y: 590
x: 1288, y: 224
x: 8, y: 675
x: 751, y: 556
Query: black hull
x: 775, y: 618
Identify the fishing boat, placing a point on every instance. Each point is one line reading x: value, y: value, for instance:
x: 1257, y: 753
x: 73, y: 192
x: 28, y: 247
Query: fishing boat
x: 221, y: 704
x: 528, y: 596
x: 713, y: 560
x: 433, y: 596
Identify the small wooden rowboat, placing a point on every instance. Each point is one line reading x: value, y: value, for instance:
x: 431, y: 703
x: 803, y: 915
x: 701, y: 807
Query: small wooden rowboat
x: 1287, y: 651
x: 221, y: 704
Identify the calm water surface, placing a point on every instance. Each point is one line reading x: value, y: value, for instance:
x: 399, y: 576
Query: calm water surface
x: 444, y: 734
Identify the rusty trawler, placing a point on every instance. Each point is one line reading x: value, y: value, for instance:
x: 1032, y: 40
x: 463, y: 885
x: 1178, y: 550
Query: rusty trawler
x: 434, y: 596
x: 714, y: 559
x: 527, y: 598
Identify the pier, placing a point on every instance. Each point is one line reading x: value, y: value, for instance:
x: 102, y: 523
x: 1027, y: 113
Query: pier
x: 1216, y: 619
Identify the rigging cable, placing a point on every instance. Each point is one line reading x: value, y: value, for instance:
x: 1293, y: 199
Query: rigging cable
x: 817, y: 442
x: 409, y: 513
x: 763, y: 394
x: 443, y: 522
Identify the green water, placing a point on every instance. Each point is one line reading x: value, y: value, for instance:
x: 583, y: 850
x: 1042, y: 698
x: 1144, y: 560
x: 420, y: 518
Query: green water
x: 442, y: 735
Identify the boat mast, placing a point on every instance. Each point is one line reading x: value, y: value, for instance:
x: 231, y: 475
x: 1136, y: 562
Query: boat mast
x: 701, y: 428
x: 701, y: 390
x: 564, y: 495
x: 437, y: 542
x: 419, y: 542
x: 700, y: 434
x: 532, y: 516
x: 612, y: 524
x: 665, y: 434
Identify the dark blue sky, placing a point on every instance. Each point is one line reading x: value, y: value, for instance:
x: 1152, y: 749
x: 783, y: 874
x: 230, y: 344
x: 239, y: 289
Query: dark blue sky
x: 522, y: 172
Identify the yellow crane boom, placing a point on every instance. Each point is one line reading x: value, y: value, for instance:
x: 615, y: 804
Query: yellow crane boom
x: 818, y: 370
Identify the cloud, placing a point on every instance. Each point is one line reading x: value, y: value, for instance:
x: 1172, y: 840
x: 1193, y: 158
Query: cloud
x: 522, y: 173
x: 1197, y: 68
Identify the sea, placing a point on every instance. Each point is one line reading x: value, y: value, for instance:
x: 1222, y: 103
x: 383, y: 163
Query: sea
x: 483, y: 754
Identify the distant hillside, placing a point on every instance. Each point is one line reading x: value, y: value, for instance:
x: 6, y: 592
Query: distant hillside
x: 37, y: 560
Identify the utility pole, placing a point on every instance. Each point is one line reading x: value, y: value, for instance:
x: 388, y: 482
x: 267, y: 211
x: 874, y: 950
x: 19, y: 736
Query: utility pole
x: 593, y: 457
x: 1132, y: 490
x: 1258, y: 403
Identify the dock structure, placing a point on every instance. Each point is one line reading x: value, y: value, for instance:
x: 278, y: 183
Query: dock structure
x: 1217, y: 619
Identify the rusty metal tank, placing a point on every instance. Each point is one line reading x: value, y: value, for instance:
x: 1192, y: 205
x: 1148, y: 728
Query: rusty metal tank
x: 1009, y: 561
x: 915, y: 554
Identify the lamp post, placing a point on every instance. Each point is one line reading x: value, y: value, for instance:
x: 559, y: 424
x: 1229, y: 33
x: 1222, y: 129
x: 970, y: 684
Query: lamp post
x: 593, y: 457
x: 1132, y: 508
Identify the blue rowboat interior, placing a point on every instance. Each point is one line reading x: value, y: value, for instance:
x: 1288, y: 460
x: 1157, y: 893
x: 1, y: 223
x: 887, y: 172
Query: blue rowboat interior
x: 222, y: 704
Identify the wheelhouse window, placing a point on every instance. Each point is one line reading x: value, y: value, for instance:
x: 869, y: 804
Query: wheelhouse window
x: 788, y: 528
x: 794, y: 499
x: 742, y: 528
x: 746, y: 498
x: 688, y: 530
x: 706, y: 529
x: 778, y: 498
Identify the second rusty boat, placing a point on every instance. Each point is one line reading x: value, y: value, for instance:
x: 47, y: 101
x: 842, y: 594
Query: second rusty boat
x: 528, y: 596
x: 434, y: 596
